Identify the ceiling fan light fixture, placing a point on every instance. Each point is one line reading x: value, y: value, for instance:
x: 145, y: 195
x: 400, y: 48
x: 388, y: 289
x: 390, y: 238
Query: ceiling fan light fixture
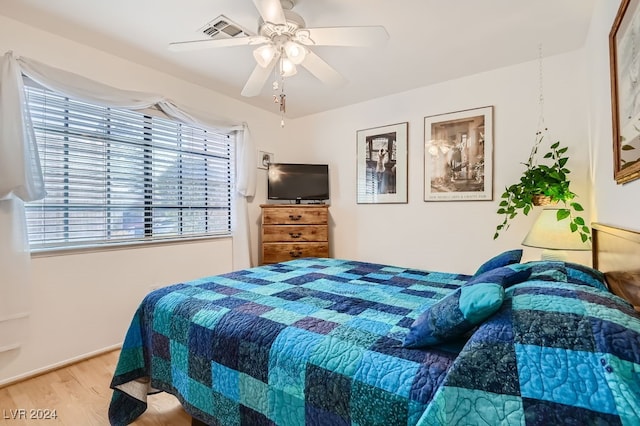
x: 295, y: 52
x: 264, y: 55
x: 287, y: 67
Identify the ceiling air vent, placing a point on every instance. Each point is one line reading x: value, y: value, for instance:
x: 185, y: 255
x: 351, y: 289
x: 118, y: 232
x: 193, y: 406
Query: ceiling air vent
x: 223, y: 27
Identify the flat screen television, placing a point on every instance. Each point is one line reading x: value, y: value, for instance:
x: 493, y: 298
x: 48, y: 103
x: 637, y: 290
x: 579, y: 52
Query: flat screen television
x: 287, y: 181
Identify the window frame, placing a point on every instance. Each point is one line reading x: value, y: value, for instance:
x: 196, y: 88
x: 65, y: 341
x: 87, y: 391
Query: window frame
x: 150, y: 236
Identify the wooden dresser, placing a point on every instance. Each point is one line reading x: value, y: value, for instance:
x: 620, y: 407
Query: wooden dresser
x: 294, y: 231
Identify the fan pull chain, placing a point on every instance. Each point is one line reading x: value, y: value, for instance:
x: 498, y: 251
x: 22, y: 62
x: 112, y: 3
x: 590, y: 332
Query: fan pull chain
x: 280, y: 99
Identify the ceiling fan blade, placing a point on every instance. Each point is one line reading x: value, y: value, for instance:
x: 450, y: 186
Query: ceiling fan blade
x: 323, y: 71
x: 258, y: 77
x: 343, y: 36
x: 182, y: 46
x: 271, y: 11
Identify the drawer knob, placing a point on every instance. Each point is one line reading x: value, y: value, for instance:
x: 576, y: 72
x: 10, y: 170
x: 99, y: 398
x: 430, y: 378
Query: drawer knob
x: 295, y: 253
x: 295, y: 217
x: 295, y: 234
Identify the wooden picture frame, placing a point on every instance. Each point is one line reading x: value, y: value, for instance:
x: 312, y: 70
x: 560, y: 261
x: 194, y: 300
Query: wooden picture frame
x: 624, y: 52
x: 381, y: 156
x: 458, y: 156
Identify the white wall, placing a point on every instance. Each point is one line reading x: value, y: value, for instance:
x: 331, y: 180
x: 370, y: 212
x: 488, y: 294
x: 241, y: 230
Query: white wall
x: 447, y: 236
x: 83, y: 303
x: 613, y: 204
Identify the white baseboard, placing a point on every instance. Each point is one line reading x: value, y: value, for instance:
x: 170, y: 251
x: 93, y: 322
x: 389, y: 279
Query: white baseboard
x: 49, y: 368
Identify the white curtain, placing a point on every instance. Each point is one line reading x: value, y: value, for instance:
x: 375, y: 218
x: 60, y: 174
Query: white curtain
x: 245, y: 190
x: 15, y: 283
x: 20, y: 180
x: 21, y: 176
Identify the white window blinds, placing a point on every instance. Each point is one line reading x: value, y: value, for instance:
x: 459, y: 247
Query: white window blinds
x: 116, y: 176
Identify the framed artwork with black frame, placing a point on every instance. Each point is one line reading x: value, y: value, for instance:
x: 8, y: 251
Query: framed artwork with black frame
x: 382, y: 154
x: 458, y: 156
x: 624, y: 51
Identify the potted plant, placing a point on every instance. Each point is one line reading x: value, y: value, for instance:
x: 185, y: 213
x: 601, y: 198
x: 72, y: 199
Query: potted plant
x: 542, y: 184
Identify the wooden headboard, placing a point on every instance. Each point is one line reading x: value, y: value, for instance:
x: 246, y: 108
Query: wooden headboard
x: 616, y: 252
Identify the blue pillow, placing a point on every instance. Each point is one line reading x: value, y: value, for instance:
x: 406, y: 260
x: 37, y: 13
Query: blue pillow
x: 503, y: 259
x: 566, y: 272
x: 460, y: 311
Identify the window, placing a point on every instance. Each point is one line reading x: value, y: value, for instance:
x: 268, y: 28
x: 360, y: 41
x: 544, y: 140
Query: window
x: 115, y: 176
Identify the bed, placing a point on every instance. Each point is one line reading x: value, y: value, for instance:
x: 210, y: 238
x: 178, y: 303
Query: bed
x: 325, y: 342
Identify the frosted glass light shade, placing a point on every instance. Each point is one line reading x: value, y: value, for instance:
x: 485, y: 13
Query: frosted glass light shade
x: 548, y: 232
x: 264, y: 55
x: 287, y: 68
x: 295, y: 52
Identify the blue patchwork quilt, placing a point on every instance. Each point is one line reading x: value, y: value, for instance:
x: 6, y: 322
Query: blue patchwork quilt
x: 561, y: 350
x: 319, y: 342
x: 310, y: 341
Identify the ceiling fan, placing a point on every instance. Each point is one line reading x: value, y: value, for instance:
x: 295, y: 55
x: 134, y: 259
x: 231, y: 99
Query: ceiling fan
x: 284, y: 41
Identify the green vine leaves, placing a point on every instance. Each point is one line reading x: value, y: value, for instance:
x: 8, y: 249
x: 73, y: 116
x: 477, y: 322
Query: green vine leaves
x: 550, y: 180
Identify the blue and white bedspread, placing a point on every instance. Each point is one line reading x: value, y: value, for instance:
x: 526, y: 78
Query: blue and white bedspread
x: 319, y: 342
x: 557, y: 352
x: 310, y: 341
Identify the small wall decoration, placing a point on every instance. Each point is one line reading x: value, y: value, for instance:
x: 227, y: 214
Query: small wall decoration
x: 264, y: 159
x: 382, y: 164
x: 458, y: 156
x: 624, y: 50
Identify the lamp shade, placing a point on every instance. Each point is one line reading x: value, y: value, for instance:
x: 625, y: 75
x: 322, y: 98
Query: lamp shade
x: 548, y: 232
x: 287, y: 68
x: 264, y: 55
x: 295, y: 52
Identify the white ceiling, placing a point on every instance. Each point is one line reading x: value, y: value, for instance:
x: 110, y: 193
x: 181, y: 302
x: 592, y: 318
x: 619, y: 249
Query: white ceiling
x: 430, y: 40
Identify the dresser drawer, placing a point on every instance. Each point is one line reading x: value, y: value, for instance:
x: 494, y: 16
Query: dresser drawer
x: 281, y: 252
x: 294, y: 233
x: 294, y: 215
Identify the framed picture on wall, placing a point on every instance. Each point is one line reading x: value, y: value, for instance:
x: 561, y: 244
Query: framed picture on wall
x: 382, y: 164
x: 624, y: 49
x: 264, y: 159
x: 458, y: 156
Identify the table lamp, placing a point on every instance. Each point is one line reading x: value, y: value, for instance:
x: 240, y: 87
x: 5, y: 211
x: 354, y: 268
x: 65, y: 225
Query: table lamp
x: 554, y: 236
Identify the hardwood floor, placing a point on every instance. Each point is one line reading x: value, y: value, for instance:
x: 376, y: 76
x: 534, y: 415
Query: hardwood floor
x: 80, y: 395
